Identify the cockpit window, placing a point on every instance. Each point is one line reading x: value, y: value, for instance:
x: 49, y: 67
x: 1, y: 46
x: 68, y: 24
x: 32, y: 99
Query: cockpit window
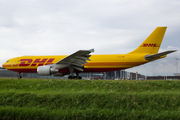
x: 7, y: 61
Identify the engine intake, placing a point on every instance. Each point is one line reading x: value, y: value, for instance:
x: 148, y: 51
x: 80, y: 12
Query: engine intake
x: 46, y: 70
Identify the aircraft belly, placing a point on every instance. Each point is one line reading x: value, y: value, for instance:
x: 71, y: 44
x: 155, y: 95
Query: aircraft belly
x: 25, y: 70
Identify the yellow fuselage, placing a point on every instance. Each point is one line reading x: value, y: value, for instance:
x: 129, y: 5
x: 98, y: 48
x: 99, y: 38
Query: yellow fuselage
x: 98, y: 63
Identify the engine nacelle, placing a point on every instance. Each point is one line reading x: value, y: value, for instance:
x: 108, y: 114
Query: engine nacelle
x: 46, y: 70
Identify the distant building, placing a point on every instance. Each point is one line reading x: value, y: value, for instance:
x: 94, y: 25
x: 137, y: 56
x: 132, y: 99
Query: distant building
x: 7, y: 73
x: 175, y: 77
x: 176, y: 74
x: 163, y: 77
x: 117, y: 75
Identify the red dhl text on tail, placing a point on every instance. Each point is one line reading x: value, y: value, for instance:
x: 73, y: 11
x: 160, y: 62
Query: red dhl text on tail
x: 149, y: 45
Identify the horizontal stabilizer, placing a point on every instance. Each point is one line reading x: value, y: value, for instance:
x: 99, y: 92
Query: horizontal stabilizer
x: 150, y: 57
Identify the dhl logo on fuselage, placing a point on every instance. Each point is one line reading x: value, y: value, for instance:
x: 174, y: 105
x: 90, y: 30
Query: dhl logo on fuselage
x: 39, y: 62
x: 149, y: 45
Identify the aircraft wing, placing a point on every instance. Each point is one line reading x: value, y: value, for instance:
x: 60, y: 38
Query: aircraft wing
x: 75, y: 60
x: 150, y: 57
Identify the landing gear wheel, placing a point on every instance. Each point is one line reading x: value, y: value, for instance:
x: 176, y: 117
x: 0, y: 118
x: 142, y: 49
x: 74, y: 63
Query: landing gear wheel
x: 74, y: 77
x: 79, y: 77
x: 71, y: 77
x: 19, y: 75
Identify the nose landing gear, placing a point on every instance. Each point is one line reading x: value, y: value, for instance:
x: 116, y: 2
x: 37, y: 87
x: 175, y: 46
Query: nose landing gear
x: 19, y: 75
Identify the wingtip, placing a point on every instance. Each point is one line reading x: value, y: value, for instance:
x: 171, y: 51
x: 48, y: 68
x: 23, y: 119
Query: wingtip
x: 91, y: 50
x: 172, y: 51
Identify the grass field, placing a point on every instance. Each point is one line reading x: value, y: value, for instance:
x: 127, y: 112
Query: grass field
x: 89, y: 99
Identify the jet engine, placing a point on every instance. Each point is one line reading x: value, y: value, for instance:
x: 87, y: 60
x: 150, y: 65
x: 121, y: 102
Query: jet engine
x: 46, y: 70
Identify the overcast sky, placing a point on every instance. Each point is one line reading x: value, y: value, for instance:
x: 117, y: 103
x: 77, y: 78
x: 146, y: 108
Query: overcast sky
x: 61, y: 27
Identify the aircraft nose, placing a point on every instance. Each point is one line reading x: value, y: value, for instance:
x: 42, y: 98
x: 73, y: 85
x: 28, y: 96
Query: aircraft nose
x: 3, y: 65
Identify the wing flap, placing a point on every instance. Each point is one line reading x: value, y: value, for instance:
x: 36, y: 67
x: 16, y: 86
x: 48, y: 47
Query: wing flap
x: 150, y: 57
x: 75, y: 60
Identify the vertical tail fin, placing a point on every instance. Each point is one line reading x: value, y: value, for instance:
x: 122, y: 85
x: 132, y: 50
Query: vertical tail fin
x: 152, y: 43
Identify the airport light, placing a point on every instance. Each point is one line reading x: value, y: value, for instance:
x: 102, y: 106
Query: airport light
x: 165, y: 73
x: 177, y: 64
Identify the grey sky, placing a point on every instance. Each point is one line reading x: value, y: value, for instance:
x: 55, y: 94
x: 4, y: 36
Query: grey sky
x: 44, y: 27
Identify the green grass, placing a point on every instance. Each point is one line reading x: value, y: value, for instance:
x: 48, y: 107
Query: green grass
x: 89, y: 99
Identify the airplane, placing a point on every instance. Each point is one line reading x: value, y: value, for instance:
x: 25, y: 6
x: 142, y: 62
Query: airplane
x: 82, y: 61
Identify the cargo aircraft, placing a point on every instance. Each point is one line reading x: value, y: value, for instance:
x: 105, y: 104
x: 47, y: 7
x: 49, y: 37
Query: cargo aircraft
x: 82, y: 61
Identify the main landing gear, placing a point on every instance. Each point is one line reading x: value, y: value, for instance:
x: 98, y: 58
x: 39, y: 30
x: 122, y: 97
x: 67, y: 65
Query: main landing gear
x: 71, y: 76
x: 74, y: 77
x: 19, y: 75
